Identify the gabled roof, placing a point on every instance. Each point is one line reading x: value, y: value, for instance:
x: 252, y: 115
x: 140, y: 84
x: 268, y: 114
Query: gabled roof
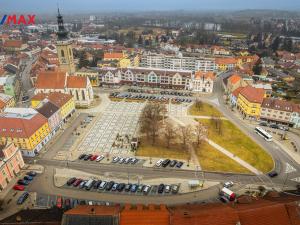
x: 205, y: 75
x: 277, y: 104
x: 254, y: 95
x: 57, y: 98
x: 237, y: 91
x: 51, y: 80
x: 48, y: 109
x: 226, y: 60
x: 20, y: 127
x: 234, y: 78
x: 13, y: 43
x: 76, y: 82
x: 113, y: 55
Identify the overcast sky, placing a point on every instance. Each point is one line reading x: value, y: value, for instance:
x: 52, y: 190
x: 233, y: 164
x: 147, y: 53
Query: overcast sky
x: 48, y: 6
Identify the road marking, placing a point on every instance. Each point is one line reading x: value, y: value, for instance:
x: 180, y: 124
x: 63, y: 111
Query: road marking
x: 297, y: 179
x: 289, y: 168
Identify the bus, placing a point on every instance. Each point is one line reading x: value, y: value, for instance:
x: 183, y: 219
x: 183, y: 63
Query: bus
x: 261, y: 132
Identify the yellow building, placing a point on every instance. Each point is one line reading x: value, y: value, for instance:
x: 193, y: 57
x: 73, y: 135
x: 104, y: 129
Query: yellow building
x: 224, y: 64
x: 64, y: 102
x: 26, y: 128
x: 249, y: 101
x: 91, y: 74
x: 124, y: 63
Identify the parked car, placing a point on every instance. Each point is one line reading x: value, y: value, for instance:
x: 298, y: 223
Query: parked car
x: 99, y: 158
x: 114, y: 187
x: 166, y: 162
x: 109, y: 186
x: 161, y: 188
x: 19, y: 187
x: 93, y: 157
x: 87, y: 157
x: 134, y: 188
x: 146, y: 189
x: 59, y: 202
x: 77, y: 182
x: 116, y: 159
x: 273, y: 174
x: 97, y: 184
x: 127, y: 187
x: 173, y: 163
x: 154, y: 189
x: 71, y: 181
x: 22, y: 198
x: 121, y: 187
x: 23, y: 182
x: 121, y: 160
x: 102, y: 185
x: 29, y: 178
x: 223, y: 199
x: 274, y: 126
x: 140, y: 188
x: 179, y: 164
x: 82, y: 184
x: 167, y: 189
x: 134, y: 160
x: 228, y: 184
x: 159, y: 162
x: 82, y: 156
x: 174, y: 189
x: 31, y: 173
x: 264, y: 124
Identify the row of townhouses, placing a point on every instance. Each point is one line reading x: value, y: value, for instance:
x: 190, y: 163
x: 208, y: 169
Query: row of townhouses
x: 171, y: 79
x: 31, y: 128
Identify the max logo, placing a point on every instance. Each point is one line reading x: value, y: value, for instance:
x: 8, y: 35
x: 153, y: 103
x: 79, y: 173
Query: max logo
x: 18, y: 20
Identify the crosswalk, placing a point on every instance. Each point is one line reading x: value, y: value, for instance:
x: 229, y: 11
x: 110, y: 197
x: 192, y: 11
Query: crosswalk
x: 289, y: 168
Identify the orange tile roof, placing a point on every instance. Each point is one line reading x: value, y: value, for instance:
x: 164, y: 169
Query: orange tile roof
x: 94, y: 210
x: 13, y: 43
x: 20, y: 127
x: 226, y: 61
x: 2, y: 104
x: 237, y: 91
x: 51, y: 80
x: 206, y: 75
x: 234, y: 78
x: 267, y: 215
x: 113, y: 55
x: 141, y: 215
x: 252, y: 94
x: 76, y: 82
x: 57, y: 98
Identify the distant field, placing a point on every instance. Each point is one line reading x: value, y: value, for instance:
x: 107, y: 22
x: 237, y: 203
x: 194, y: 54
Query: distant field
x: 206, y: 110
x: 235, y: 141
x: 212, y: 160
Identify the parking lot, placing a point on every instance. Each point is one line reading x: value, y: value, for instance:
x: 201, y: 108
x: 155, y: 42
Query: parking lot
x: 120, y: 119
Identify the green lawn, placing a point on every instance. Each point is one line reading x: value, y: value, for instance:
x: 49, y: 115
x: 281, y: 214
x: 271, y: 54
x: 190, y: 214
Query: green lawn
x: 160, y: 151
x: 235, y: 141
x: 205, y: 110
x: 212, y: 160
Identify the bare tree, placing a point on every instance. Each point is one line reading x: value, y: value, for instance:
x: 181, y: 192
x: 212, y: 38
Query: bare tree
x: 217, y: 123
x: 198, y: 104
x: 201, y: 133
x: 150, y: 120
x: 185, y: 135
x: 169, y: 133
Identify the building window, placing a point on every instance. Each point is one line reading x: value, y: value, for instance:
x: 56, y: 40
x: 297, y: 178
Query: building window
x: 62, y: 53
x: 83, y: 95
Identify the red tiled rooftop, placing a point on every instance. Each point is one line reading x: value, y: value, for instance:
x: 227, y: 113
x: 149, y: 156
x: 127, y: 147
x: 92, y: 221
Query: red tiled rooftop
x: 51, y: 80
x: 254, y: 95
x: 76, y: 82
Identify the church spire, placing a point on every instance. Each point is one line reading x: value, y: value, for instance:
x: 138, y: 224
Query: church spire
x: 62, y: 32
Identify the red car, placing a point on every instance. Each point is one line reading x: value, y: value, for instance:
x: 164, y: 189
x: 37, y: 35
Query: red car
x: 59, y: 202
x: 77, y: 182
x: 18, y: 187
x: 93, y: 157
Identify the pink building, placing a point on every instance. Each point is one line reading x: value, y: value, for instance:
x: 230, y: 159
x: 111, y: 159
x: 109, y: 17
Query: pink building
x: 11, y: 162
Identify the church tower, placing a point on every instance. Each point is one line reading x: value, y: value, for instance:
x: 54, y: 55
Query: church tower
x: 64, y: 47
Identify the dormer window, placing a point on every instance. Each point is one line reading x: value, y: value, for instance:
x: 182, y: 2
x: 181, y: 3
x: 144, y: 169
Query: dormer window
x: 12, y: 130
